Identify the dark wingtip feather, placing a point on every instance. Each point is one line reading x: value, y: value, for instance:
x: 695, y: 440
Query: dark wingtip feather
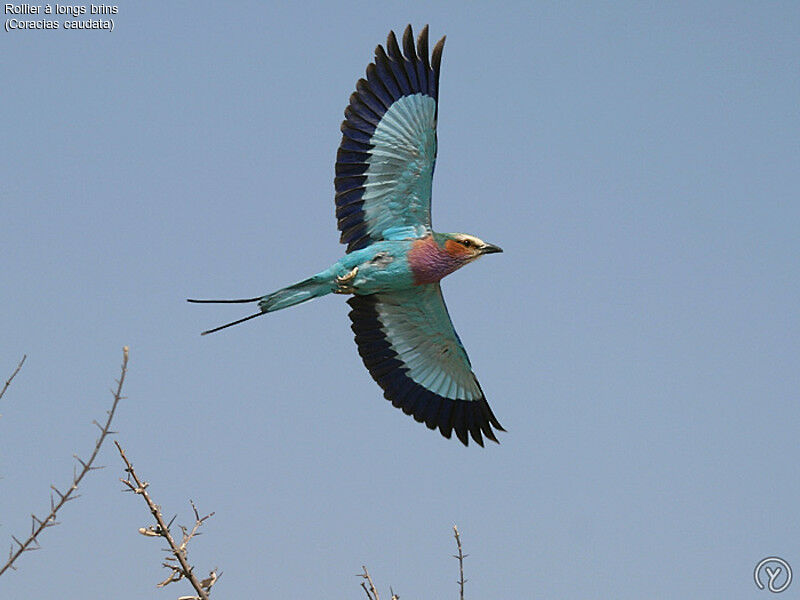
x: 408, y: 44
x: 476, y: 435
x: 436, y: 57
x: 474, y: 427
x: 458, y: 423
x: 461, y: 433
x: 493, y: 420
x: 422, y: 47
x: 487, y: 430
x: 377, y: 86
x: 392, y: 47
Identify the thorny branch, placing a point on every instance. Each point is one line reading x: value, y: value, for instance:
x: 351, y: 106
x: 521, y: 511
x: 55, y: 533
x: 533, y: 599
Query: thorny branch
x: 371, y: 592
x: 14, y: 374
x: 38, y: 525
x: 460, y: 556
x: 161, y: 529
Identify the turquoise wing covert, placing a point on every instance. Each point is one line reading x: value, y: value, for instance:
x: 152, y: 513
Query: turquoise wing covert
x: 409, y: 346
x: 385, y: 162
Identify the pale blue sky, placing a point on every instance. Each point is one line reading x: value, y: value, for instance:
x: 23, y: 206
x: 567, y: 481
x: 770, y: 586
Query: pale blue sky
x: 639, y: 338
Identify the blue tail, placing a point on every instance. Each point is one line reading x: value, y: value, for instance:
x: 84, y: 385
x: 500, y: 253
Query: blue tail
x: 308, y: 289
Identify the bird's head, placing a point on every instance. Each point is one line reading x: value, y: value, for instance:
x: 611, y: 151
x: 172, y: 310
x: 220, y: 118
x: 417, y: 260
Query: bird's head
x: 467, y: 247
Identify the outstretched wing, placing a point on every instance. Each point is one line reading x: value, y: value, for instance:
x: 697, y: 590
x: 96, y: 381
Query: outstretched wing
x: 385, y: 161
x: 408, y: 343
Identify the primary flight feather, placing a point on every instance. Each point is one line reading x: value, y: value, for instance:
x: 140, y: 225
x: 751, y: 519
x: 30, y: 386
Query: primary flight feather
x: 394, y: 260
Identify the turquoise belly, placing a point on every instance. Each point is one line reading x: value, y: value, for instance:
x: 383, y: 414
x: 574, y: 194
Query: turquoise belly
x: 382, y: 267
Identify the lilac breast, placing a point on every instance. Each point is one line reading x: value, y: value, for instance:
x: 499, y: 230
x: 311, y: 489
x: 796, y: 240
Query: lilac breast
x: 429, y: 262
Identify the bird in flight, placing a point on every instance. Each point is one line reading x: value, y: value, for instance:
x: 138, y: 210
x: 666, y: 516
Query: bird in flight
x: 394, y: 259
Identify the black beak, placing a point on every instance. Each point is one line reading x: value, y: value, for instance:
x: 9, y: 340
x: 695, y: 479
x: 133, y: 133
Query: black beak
x: 490, y: 249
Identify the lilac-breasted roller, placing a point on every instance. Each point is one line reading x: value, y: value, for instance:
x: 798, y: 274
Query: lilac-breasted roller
x: 394, y: 259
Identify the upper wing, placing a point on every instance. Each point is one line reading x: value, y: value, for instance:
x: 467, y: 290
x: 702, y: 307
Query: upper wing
x: 408, y: 343
x: 385, y: 161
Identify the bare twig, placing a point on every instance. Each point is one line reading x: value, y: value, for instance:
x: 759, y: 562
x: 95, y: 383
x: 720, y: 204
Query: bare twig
x: 460, y: 556
x: 38, y: 525
x: 371, y: 592
x: 14, y: 374
x: 178, y: 552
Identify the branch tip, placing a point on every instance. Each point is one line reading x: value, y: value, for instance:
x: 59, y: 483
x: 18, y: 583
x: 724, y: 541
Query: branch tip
x: 177, y: 552
x: 32, y: 543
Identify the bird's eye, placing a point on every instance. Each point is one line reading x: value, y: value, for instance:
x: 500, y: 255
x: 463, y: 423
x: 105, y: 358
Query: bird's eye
x: 466, y: 243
